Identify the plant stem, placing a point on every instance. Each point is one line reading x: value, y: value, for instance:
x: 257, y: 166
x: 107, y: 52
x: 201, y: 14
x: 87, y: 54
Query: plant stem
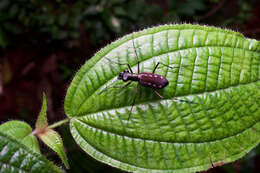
x: 59, y: 123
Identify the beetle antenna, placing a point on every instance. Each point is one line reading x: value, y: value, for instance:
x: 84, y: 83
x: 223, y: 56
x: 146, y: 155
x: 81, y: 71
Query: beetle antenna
x: 136, y: 91
x: 135, y: 48
x: 129, y: 67
x: 174, y: 66
x: 107, y: 87
x: 115, y: 61
x: 138, y: 62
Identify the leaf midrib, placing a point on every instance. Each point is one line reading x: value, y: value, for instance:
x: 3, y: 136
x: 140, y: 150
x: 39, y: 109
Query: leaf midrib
x: 144, y: 60
x: 164, y: 99
x: 149, y: 102
x: 166, y: 142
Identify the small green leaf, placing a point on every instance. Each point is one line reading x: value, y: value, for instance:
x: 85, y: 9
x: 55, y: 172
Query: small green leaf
x: 53, y: 140
x: 15, y: 157
x: 42, y: 122
x: 218, y: 74
x: 50, y: 137
x: 22, y: 132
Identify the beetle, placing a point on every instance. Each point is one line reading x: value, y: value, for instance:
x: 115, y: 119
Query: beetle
x: 146, y: 79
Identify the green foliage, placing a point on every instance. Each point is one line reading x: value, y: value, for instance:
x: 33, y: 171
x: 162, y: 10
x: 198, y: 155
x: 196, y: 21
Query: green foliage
x: 22, y: 132
x: 245, y: 13
x: 53, y: 140
x: 189, y: 8
x: 48, y: 136
x: 218, y: 73
x: 62, y: 20
x: 15, y: 157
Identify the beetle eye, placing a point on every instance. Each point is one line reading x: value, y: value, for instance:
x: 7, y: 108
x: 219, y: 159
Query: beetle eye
x: 120, y: 76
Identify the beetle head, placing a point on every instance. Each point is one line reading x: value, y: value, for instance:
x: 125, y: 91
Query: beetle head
x: 123, y: 75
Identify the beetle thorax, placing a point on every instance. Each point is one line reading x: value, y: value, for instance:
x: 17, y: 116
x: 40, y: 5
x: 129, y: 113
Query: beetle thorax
x: 126, y: 75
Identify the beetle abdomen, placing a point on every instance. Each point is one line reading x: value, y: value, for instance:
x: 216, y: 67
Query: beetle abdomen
x: 152, y: 80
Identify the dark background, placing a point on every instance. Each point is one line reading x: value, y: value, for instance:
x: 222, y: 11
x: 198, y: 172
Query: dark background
x: 44, y: 42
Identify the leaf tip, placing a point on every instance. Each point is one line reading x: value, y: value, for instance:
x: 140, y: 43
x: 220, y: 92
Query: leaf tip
x: 42, y: 122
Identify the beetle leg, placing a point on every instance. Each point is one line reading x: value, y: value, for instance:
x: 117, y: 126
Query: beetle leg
x: 136, y: 91
x: 121, y: 86
x: 161, y: 64
x: 138, y: 68
x: 158, y: 94
x: 156, y: 66
x: 120, y: 64
x: 168, y: 66
x: 130, y: 68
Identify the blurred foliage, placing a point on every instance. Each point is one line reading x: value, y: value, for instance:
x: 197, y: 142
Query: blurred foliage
x: 63, y: 19
x: 100, y: 19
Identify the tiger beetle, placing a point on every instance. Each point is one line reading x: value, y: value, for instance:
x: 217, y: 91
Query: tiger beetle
x: 146, y: 79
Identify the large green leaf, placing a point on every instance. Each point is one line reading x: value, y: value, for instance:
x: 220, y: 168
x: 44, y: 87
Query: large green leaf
x: 15, y: 157
x: 218, y: 74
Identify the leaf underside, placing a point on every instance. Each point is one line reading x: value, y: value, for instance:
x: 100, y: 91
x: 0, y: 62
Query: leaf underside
x: 15, y: 157
x: 217, y: 72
